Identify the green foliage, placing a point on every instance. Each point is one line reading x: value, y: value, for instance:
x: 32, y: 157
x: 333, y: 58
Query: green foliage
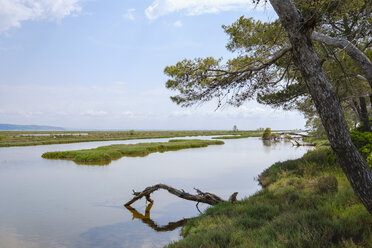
x: 283, y: 97
x: 250, y: 36
x: 363, y: 141
x: 267, y: 133
x: 105, y: 154
x: 255, y: 74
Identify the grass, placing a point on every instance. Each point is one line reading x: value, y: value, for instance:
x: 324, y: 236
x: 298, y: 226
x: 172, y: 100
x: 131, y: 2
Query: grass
x: 241, y: 135
x: 15, y: 138
x: 105, y: 154
x: 306, y: 202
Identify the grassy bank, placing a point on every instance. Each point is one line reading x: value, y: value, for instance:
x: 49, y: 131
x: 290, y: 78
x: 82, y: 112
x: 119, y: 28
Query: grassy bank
x: 306, y: 202
x: 19, y: 138
x: 105, y: 154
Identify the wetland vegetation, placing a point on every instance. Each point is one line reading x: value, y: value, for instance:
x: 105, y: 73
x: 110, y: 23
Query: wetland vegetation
x: 29, y: 138
x: 105, y: 154
x: 307, y: 202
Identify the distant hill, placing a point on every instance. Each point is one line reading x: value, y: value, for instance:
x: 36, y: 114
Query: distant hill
x: 11, y: 127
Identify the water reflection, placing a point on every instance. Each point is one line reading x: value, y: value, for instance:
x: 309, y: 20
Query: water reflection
x: 267, y: 142
x: 82, y: 206
x: 148, y: 221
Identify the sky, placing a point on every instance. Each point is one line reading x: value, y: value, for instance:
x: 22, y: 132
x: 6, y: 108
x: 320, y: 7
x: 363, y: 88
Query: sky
x: 98, y: 64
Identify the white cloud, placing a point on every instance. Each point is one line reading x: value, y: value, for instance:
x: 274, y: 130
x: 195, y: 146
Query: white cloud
x: 128, y: 114
x: 13, y: 12
x: 129, y: 14
x: 177, y: 24
x: 194, y: 7
x: 95, y: 113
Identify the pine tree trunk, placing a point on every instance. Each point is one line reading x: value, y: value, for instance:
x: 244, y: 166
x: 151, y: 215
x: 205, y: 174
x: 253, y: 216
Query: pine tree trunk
x: 326, y: 102
x: 364, y: 114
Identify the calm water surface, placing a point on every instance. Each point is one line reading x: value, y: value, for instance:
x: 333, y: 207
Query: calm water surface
x: 57, y: 203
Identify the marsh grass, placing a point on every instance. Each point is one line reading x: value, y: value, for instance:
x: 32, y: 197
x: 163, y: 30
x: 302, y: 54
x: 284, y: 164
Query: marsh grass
x: 105, y: 154
x: 240, y: 136
x: 15, y: 138
x: 306, y: 202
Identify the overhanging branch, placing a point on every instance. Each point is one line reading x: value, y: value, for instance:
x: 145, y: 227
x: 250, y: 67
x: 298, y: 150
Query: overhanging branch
x: 267, y: 63
x: 354, y: 52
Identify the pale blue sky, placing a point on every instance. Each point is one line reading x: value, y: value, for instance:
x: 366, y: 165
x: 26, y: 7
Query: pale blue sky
x: 98, y: 64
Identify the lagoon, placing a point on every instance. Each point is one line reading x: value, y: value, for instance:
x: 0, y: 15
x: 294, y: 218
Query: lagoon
x: 57, y: 203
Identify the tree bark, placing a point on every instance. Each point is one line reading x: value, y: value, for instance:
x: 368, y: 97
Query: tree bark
x: 326, y: 102
x: 361, y: 110
x: 354, y: 52
x: 364, y: 114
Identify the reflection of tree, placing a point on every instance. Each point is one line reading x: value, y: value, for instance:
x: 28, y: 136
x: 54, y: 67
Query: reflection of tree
x: 148, y: 221
x: 266, y: 142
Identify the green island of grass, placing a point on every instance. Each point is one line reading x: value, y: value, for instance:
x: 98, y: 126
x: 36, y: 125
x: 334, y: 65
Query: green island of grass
x: 307, y: 202
x: 105, y: 154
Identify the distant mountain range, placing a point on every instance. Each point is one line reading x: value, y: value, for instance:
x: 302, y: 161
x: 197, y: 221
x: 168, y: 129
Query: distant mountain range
x: 12, y: 127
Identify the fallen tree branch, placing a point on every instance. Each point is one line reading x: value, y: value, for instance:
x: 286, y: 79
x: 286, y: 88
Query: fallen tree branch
x: 204, y: 197
x: 302, y: 144
x: 298, y: 134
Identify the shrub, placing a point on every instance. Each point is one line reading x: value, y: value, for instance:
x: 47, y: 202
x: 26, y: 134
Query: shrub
x: 363, y: 141
x: 267, y: 134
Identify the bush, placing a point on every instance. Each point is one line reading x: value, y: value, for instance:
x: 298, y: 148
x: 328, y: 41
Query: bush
x: 363, y: 141
x: 267, y: 134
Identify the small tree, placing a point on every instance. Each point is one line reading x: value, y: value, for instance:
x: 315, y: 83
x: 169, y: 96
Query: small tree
x: 267, y: 134
x: 235, y: 129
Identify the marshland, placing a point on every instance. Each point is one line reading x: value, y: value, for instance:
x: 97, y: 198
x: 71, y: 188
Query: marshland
x: 53, y: 202
x: 175, y: 123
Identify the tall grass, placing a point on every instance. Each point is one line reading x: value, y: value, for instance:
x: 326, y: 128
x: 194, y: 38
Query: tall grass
x: 306, y: 202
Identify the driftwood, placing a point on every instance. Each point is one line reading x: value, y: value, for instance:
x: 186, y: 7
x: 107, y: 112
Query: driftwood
x: 298, y: 134
x: 204, y: 197
x: 148, y: 221
x: 303, y: 144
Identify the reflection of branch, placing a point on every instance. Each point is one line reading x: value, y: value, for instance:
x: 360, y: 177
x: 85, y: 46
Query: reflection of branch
x: 148, y: 221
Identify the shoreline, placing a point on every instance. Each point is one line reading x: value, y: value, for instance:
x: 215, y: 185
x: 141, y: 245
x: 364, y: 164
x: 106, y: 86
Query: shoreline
x: 306, y: 202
